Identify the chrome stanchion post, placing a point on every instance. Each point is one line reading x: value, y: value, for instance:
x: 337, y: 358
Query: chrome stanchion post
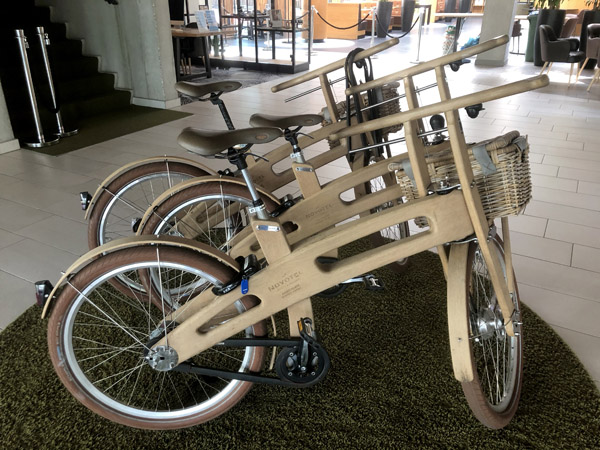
x: 42, y: 141
x: 374, y: 26
x: 44, y: 41
x: 311, y: 30
x: 373, y: 15
x: 421, y: 23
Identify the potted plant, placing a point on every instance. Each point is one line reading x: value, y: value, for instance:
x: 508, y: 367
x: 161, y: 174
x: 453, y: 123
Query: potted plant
x: 590, y: 16
x: 549, y: 14
x: 384, y: 17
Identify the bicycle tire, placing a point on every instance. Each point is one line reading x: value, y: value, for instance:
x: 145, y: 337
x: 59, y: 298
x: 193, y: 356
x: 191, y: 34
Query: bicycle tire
x: 112, y: 199
x: 493, y: 404
x: 97, y: 337
x: 174, y: 214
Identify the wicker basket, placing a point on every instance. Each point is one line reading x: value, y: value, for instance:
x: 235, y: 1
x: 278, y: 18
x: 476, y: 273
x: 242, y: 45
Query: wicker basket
x: 389, y: 91
x: 504, y: 192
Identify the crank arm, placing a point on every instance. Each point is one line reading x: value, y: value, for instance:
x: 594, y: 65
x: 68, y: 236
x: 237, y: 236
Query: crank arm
x: 371, y: 282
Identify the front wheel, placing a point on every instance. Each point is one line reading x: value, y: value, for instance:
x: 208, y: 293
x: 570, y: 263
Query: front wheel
x: 212, y: 213
x: 496, y: 357
x: 98, y: 338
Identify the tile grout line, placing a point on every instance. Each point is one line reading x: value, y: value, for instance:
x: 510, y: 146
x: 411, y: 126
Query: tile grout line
x: 593, y: 302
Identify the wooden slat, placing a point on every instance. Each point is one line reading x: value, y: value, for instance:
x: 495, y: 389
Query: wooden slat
x: 430, y: 65
x: 446, y: 106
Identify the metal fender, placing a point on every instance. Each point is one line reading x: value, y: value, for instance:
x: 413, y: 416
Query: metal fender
x: 137, y: 241
x: 117, y: 173
x: 194, y: 182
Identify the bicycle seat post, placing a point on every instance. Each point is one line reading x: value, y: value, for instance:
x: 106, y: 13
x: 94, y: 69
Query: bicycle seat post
x: 292, y: 137
x: 237, y: 157
x: 215, y: 99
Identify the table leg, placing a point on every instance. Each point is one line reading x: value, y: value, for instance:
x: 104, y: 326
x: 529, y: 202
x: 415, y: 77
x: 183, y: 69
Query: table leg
x: 177, y: 58
x: 206, y: 51
x: 459, y: 23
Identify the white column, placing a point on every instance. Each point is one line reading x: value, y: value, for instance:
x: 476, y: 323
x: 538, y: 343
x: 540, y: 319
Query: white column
x: 498, y: 18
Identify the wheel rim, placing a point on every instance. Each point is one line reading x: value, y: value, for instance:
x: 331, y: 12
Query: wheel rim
x: 110, y: 331
x: 213, y: 219
x: 496, y: 354
x: 132, y: 201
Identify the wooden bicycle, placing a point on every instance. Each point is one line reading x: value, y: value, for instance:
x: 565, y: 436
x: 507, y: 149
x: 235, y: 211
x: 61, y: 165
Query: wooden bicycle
x: 188, y: 346
x: 191, y: 209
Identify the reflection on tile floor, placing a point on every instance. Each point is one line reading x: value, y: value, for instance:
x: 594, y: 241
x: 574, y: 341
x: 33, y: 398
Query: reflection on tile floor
x: 556, y: 241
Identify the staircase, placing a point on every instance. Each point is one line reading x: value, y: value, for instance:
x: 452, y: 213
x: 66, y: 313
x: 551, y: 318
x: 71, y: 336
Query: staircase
x: 82, y: 91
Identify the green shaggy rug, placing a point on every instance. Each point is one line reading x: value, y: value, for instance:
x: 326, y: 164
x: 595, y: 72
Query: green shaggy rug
x: 390, y: 386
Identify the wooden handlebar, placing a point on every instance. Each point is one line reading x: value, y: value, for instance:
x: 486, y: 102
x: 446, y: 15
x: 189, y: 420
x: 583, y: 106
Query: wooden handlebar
x: 445, y: 106
x: 333, y: 66
x: 429, y: 65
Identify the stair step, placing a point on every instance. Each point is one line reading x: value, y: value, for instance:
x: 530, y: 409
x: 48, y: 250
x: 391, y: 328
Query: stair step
x: 97, y: 105
x: 58, y: 50
x: 65, y: 49
x: 56, y: 32
x: 80, y: 88
x: 23, y: 16
x: 85, y: 87
x: 81, y: 67
x: 22, y: 117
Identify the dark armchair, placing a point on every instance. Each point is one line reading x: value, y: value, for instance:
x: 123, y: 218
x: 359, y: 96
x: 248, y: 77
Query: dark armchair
x: 592, y: 50
x: 558, y: 50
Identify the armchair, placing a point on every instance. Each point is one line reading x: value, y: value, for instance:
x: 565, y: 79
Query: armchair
x: 592, y: 50
x: 558, y: 50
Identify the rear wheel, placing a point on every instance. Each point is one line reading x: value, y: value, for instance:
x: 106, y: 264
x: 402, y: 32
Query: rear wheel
x: 212, y: 213
x: 496, y: 357
x: 98, y: 338
x: 128, y: 196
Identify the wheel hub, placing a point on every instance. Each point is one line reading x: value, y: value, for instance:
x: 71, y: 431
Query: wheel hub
x: 162, y: 358
x: 488, y: 324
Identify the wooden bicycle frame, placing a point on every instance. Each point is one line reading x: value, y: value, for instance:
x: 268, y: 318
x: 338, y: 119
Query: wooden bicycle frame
x: 294, y: 274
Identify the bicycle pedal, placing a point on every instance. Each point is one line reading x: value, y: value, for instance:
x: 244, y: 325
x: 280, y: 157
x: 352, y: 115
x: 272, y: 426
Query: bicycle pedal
x: 373, y: 284
x: 42, y: 292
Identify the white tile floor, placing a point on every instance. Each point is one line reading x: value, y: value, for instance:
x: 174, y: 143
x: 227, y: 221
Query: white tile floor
x: 556, y: 241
